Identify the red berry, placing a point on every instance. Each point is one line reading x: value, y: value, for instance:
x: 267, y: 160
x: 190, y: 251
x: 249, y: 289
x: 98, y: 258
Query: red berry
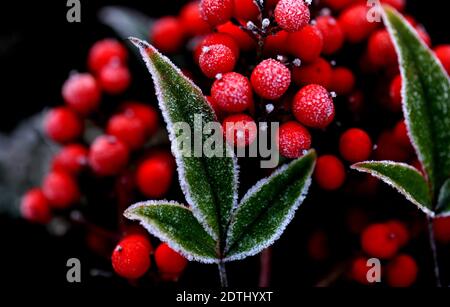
x: 377, y: 240
x: 401, y: 271
x: 354, y: 23
x: 131, y: 257
x: 105, y: 51
x: 114, y: 79
x: 232, y: 92
x: 400, y: 231
x: 216, y: 12
x: 62, y: 125
x: 318, y: 72
x: 167, y: 34
x: 81, y: 93
x: 313, y: 106
x: 108, y: 155
x: 242, y: 38
x: 338, y: 4
x: 399, y: 5
x: 388, y: 148
x: 128, y: 129
x: 214, y: 106
x: 71, y: 159
x: 240, y: 130
x: 355, y: 145
x: 329, y: 172
x: 275, y: 44
x: 140, y: 234
x: 306, y: 43
x: 441, y: 228
x: 216, y: 59
x: 35, y: 207
x: 359, y: 270
x: 342, y: 81
x: 217, y: 39
x: 246, y: 10
x: 318, y: 246
x: 395, y: 94
x: 270, y: 79
x: 293, y: 139
x: 191, y: 20
x: 146, y: 114
x: 443, y: 54
x: 381, y: 50
x: 170, y: 263
x: 400, y: 134
x: 333, y: 37
x: 292, y: 15
x: 154, y: 175
x: 60, y: 189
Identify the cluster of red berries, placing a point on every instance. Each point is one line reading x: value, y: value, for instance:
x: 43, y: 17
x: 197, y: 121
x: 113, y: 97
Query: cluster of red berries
x: 131, y: 258
x: 384, y: 241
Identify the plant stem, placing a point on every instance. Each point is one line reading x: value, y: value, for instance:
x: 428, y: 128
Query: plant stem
x: 434, y: 252
x: 223, y: 275
x: 265, y: 268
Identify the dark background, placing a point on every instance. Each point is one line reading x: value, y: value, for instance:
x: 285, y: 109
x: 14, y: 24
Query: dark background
x: 38, y: 49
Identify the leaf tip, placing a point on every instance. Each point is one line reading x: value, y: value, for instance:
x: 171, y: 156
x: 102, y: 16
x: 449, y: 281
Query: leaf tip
x: 142, y: 45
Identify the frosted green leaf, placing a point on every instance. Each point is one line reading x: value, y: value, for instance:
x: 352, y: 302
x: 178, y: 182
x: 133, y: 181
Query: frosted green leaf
x: 404, y: 178
x: 208, y: 183
x: 176, y: 225
x: 443, y: 204
x: 268, y: 207
x: 426, y: 98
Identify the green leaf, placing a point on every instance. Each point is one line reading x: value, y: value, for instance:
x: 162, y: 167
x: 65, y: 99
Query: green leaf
x: 125, y: 21
x: 405, y: 178
x: 176, y: 225
x: 268, y: 207
x: 426, y: 98
x: 208, y: 183
x: 443, y: 204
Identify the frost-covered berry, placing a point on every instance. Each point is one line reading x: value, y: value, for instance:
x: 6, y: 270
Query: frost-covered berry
x: 381, y: 50
x: 333, y: 37
x: 62, y: 125
x: 246, y: 10
x: 313, y: 106
x: 35, y: 207
x: 216, y: 12
x: 105, y: 51
x: 355, y: 145
x: 342, y: 81
x: 317, y: 72
x: 154, y: 175
x: 60, y: 189
x: 170, y: 263
x: 127, y: 128
x: 114, y: 78
x: 192, y: 21
x: 306, y: 43
x: 71, y: 159
x: 395, y: 94
x: 216, y: 39
x: 275, y: 44
x: 242, y: 38
x: 292, y: 15
x: 108, y: 155
x: 293, y: 139
x: 240, y: 130
x: 443, y: 54
x: 232, y: 92
x: 131, y: 257
x: 167, y: 34
x: 145, y: 113
x: 401, y: 271
x: 377, y: 240
x: 216, y: 59
x: 81, y: 93
x: 270, y: 79
x: 329, y: 172
x: 354, y: 23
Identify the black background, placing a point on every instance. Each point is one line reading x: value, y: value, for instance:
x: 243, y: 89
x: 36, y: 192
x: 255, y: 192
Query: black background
x: 38, y: 48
